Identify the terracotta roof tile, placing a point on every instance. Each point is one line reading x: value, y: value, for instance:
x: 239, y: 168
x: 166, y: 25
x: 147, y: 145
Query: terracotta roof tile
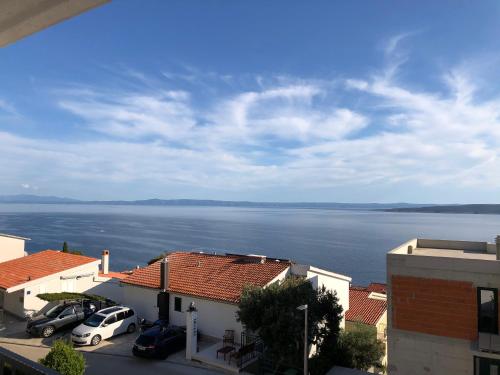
x: 44, y: 263
x: 115, y: 275
x: 377, y: 288
x: 218, y: 277
x: 363, y: 309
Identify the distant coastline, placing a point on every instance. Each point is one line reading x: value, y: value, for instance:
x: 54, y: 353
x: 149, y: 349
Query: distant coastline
x: 489, y: 209
x: 36, y: 199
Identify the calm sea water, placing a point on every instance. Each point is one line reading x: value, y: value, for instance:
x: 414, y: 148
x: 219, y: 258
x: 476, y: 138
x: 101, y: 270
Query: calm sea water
x: 348, y: 242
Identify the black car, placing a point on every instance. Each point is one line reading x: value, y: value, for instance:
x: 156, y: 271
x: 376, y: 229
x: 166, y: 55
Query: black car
x: 159, y: 341
x: 58, y: 317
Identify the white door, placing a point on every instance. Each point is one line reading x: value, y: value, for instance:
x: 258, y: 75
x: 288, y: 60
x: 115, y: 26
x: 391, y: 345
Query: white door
x: 122, y: 323
x: 111, y: 326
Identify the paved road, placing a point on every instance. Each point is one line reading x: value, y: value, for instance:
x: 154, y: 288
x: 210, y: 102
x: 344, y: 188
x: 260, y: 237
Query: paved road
x: 100, y: 363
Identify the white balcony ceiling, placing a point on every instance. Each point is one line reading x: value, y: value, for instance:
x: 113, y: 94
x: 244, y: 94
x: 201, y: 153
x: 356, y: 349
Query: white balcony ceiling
x: 20, y: 18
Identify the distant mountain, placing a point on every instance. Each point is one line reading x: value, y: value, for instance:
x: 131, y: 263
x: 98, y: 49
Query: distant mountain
x: 29, y: 198
x: 35, y: 199
x: 492, y: 209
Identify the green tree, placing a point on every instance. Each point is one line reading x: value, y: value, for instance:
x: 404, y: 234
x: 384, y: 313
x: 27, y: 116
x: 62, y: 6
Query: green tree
x: 359, y: 348
x: 66, y: 249
x: 272, y: 312
x: 64, y: 359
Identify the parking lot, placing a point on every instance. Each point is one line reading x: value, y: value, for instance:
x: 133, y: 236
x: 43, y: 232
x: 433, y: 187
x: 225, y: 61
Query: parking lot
x: 109, y: 356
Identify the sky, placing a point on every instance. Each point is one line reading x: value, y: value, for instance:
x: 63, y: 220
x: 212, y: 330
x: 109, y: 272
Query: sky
x: 326, y: 101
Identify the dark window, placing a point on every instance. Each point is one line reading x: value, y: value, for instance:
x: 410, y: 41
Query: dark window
x: 178, y: 304
x: 487, y: 306
x: 129, y: 313
x: 486, y: 366
x: 111, y: 319
x: 69, y: 311
x: 121, y: 315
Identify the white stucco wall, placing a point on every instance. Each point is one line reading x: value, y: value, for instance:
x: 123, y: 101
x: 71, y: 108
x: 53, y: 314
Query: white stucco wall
x: 213, y: 317
x: 143, y: 300
x: 11, y: 248
x: 107, y: 287
x: 331, y: 281
x: 13, y: 303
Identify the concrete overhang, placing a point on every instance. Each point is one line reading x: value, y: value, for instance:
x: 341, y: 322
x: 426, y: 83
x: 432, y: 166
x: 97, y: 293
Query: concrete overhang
x: 20, y: 18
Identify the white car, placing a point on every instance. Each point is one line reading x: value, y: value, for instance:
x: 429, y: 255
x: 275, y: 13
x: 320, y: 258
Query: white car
x: 104, y: 324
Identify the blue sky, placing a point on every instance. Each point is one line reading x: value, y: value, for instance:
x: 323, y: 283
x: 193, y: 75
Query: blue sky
x: 257, y: 100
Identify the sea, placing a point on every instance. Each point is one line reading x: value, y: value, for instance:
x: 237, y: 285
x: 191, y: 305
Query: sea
x: 349, y: 242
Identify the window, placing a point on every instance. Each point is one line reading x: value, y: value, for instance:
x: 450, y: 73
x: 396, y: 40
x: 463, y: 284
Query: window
x: 178, y: 304
x: 111, y: 319
x: 67, y: 312
x: 121, y: 315
x: 487, y: 306
x: 486, y: 366
x: 129, y: 313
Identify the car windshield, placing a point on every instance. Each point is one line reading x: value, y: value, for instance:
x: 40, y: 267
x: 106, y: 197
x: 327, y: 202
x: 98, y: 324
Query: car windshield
x: 54, y: 312
x: 94, y: 321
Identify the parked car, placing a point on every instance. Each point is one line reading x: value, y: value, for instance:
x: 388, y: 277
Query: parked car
x: 61, y: 316
x: 159, y: 341
x: 104, y: 324
x: 145, y: 324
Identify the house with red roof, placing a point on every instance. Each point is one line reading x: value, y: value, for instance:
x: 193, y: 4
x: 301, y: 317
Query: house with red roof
x: 368, y: 306
x: 47, y: 271
x: 214, y: 283
x: 23, y: 276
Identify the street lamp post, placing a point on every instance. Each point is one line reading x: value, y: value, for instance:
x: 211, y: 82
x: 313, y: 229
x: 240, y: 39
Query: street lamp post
x: 304, y: 308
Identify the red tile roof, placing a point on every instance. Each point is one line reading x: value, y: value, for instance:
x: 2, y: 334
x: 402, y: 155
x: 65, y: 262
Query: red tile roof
x: 363, y: 309
x: 377, y: 288
x: 217, y: 277
x: 115, y: 275
x: 21, y: 270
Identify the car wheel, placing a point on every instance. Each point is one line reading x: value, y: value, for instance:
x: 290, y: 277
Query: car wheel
x: 48, y: 331
x: 95, y: 340
x: 131, y: 328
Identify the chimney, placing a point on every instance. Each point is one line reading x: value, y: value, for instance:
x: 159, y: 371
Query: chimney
x: 105, y: 262
x: 497, y: 243
x: 164, y: 274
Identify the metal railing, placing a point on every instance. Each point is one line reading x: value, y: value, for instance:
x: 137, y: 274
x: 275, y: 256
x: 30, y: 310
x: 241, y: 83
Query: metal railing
x: 14, y: 364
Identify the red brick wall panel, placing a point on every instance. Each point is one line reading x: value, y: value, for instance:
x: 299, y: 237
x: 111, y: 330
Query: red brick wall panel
x: 433, y: 306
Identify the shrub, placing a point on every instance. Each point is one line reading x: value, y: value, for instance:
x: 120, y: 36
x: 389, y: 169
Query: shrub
x: 359, y: 348
x: 64, y: 359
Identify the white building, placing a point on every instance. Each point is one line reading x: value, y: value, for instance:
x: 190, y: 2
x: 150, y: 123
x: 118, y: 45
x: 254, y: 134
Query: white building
x: 443, y: 308
x: 22, y: 277
x: 215, y: 283
x: 11, y: 247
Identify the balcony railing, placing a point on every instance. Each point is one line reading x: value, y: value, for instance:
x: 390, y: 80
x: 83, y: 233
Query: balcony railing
x: 489, y: 342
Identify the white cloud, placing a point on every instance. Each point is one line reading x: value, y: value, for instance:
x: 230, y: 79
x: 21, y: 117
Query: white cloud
x: 288, y: 134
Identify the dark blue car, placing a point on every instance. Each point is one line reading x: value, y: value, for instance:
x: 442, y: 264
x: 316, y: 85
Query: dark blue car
x: 160, y: 341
